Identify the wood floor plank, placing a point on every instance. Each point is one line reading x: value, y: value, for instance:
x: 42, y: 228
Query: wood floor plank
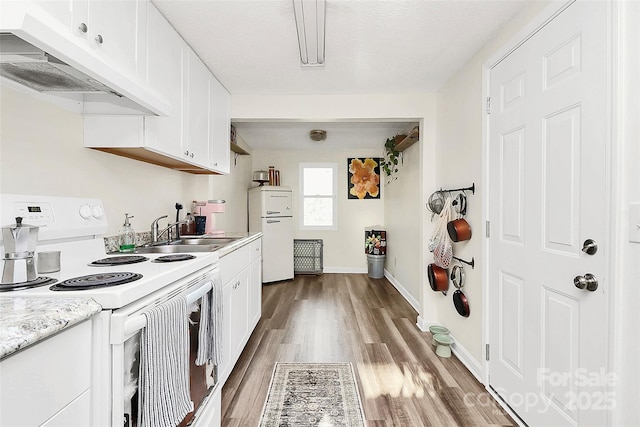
x: 352, y: 318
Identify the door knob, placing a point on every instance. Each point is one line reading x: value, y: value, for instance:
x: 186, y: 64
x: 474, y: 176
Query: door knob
x: 589, y: 247
x: 588, y: 282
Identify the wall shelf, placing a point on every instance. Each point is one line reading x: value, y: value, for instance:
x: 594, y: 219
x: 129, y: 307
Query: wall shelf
x: 411, y: 139
x: 237, y: 151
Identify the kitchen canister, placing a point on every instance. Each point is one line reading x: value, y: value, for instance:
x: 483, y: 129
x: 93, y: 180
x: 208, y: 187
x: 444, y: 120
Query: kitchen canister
x: 48, y: 262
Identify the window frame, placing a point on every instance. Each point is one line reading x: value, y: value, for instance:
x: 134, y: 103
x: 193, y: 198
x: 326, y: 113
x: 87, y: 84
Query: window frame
x: 334, y: 196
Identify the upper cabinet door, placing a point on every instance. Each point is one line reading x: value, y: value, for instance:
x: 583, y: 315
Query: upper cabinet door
x: 166, y: 53
x: 198, y: 142
x: 220, y: 126
x: 115, y: 30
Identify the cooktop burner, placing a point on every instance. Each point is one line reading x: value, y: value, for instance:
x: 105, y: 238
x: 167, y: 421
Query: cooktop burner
x: 93, y: 281
x: 173, y: 258
x: 118, y: 260
x: 40, y: 281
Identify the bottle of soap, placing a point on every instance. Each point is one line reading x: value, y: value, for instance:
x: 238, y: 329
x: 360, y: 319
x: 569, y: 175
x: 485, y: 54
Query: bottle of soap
x: 127, y: 236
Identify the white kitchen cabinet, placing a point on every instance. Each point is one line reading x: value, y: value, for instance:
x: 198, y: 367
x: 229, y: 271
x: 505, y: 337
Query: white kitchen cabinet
x: 165, y: 63
x: 49, y: 382
x: 240, y: 312
x: 220, y: 126
x: 106, y: 40
x: 239, y: 316
x: 196, y: 147
x: 255, y: 284
x: 194, y: 137
x: 113, y: 30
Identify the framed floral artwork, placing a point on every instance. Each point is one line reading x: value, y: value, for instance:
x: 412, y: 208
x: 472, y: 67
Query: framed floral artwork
x: 363, y: 178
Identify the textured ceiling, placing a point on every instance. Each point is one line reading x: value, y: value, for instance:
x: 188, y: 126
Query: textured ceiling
x: 372, y: 46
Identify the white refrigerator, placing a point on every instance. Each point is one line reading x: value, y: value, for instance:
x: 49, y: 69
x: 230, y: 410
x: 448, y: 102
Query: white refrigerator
x: 271, y: 212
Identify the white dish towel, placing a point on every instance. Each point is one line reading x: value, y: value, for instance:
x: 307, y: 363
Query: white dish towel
x: 163, y: 394
x: 210, y: 331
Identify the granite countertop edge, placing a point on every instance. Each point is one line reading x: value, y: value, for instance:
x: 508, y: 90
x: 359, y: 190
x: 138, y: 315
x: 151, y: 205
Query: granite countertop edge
x: 25, y: 321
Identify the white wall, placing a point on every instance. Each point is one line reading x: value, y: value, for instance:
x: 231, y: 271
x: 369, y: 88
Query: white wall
x: 459, y: 164
x: 233, y: 189
x: 626, y: 190
x: 42, y: 153
x: 403, y: 212
x: 344, y: 247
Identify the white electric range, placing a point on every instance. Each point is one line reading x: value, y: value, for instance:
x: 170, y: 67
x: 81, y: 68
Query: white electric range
x: 75, y: 226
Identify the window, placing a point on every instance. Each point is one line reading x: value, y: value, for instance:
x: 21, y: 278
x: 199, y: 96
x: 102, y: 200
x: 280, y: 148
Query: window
x: 318, y: 188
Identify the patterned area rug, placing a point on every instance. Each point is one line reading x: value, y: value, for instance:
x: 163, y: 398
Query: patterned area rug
x: 313, y: 394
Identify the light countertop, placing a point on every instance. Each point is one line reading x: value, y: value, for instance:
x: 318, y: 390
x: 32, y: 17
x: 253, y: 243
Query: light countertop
x: 25, y: 321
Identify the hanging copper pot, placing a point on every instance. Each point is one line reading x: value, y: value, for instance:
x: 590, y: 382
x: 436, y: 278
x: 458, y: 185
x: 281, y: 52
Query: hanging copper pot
x: 459, y: 230
x: 438, y: 278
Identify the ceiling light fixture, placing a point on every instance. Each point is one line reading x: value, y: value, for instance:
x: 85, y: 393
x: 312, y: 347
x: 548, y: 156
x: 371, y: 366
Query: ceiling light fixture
x: 310, y: 19
x: 318, y: 135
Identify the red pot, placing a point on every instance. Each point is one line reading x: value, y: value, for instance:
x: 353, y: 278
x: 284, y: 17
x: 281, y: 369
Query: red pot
x: 459, y: 230
x: 438, y: 278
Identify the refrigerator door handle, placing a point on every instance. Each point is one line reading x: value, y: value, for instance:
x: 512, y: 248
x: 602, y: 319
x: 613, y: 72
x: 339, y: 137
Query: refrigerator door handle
x: 272, y: 212
x: 271, y: 221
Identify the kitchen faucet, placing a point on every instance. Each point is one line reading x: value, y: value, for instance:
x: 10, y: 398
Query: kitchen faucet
x: 156, y: 233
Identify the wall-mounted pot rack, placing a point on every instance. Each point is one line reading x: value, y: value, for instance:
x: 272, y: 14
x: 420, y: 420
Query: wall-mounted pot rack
x: 472, y: 263
x: 472, y: 189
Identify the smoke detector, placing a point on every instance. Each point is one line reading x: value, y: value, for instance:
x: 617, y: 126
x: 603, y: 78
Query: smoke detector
x: 318, y: 135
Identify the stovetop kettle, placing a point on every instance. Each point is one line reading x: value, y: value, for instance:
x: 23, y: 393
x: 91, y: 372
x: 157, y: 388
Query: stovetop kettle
x: 19, y: 241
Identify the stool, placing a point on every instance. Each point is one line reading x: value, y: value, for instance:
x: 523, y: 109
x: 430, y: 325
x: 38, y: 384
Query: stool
x: 444, y: 345
x: 437, y: 330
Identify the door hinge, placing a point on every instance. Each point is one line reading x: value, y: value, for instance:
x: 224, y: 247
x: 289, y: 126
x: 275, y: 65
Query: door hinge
x: 488, y: 229
x: 487, y: 352
x: 488, y: 105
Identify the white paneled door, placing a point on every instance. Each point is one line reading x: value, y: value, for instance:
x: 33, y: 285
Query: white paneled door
x: 547, y: 178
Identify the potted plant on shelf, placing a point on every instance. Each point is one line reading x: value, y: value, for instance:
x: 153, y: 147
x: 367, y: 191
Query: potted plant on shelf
x: 391, y: 157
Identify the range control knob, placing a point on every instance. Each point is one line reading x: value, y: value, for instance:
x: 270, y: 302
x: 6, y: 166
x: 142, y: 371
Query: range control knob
x: 85, y: 211
x: 97, y: 212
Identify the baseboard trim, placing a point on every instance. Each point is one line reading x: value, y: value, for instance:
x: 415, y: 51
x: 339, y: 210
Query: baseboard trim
x: 472, y: 365
x: 403, y: 291
x: 345, y: 270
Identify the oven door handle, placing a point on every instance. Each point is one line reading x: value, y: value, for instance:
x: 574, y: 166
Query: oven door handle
x: 136, y: 323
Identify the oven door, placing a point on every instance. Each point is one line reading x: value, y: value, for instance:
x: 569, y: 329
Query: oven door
x: 126, y: 326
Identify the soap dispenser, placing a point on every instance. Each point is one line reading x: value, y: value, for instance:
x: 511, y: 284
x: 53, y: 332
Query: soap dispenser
x: 127, y: 236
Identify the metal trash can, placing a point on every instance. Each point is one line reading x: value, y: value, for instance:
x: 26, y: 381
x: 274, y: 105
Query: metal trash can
x: 375, y: 264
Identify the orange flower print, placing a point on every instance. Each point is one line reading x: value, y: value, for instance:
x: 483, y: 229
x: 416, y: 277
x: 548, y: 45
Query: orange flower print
x: 364, y: 178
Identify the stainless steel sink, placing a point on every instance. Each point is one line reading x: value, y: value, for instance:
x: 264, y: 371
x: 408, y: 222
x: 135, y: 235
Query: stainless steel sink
x: 178, y: 248
x: 206, y: 241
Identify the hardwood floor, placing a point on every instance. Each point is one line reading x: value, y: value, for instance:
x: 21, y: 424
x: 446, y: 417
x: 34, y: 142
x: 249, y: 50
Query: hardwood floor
x: 352, y: 318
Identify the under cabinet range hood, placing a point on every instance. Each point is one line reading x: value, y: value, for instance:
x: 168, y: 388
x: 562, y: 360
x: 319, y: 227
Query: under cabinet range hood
x: 84, y: 82
x: 34, y: 68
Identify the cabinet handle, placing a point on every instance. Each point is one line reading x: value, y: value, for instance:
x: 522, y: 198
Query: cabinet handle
x: 215, y: 164
x: 191, y: 155
x: 83, y: 27
x: 99, y: 39
x: 186, y: 153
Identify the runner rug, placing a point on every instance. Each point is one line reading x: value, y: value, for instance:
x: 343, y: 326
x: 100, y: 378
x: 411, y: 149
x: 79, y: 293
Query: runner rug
x: 313, y: 394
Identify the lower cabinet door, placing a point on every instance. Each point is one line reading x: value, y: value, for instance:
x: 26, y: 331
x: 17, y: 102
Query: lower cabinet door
x: 255, y: 293
x: 227, y: 364
x: 240, y: 314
